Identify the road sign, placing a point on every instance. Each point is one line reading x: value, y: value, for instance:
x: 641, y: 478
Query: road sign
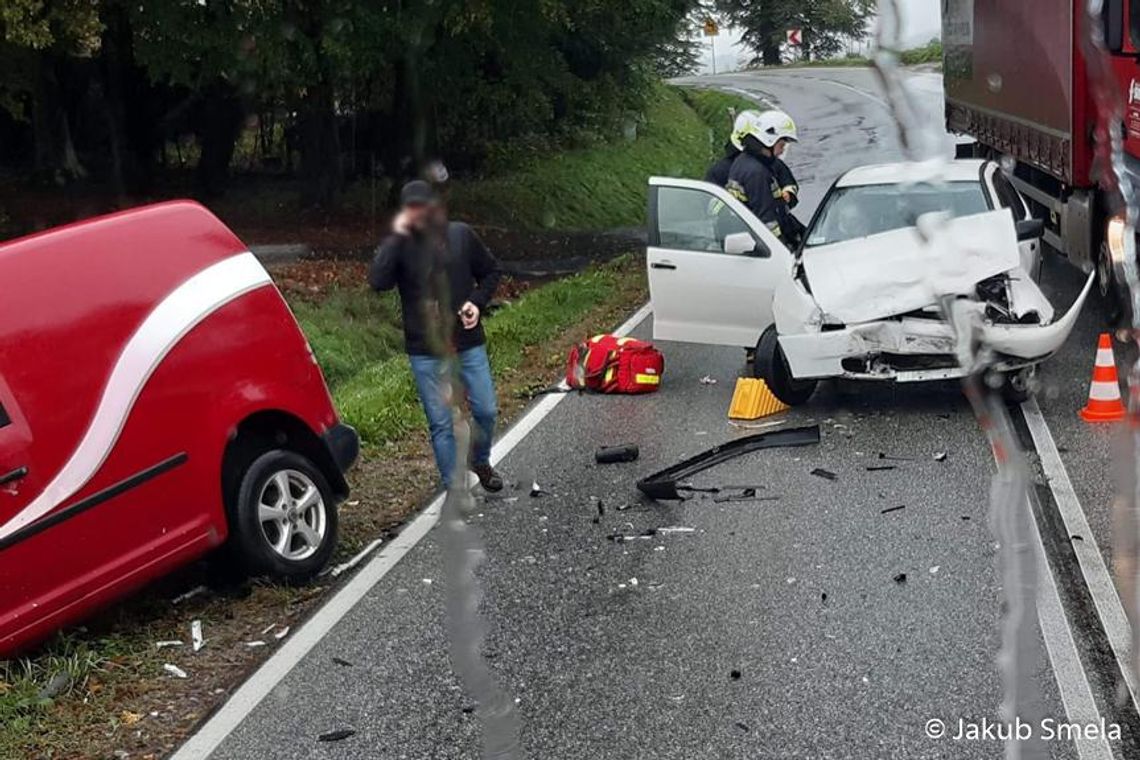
x: 795, y: 36
x: 711, y: 28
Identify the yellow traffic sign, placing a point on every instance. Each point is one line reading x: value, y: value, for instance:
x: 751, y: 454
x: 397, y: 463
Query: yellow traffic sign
x: 711, y: 28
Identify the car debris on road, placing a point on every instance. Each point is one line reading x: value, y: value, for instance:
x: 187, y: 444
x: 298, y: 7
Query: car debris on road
x: 339, y: 734
x: 667, y: 484
x: 626, y: 452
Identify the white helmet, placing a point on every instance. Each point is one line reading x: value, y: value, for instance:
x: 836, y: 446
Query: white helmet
x: 769, y: 128
x: 746, y: 123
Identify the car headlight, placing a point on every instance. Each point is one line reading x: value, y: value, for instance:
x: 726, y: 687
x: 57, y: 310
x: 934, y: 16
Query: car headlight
x: 1121, y: 242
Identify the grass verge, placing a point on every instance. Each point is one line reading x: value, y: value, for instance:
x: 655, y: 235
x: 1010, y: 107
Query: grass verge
x: 101, y: 691
x: 601, y: 187
x: 380, y: 399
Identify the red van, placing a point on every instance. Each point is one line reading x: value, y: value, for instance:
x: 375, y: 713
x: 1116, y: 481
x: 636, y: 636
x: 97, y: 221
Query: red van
x: 157, y: 401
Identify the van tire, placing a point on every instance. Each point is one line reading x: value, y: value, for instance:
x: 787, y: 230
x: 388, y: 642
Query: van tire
x: 771, y: 366
x: 306, y: 534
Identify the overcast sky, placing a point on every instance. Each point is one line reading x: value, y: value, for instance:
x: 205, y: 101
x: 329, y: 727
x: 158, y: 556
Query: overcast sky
x: 921, y: 21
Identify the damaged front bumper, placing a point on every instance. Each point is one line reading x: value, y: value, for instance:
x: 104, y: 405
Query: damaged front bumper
x: 912, y: 349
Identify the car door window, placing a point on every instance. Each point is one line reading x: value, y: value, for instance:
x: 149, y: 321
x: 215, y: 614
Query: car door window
x: 695, y: 220
x: 1008, y: 197
x: 5, y: 420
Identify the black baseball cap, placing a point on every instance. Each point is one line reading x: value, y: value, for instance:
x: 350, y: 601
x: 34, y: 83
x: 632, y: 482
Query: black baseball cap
x: 418, y: 193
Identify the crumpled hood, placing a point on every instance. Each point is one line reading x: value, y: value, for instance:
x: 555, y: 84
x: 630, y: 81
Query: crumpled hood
x: 904, y: 270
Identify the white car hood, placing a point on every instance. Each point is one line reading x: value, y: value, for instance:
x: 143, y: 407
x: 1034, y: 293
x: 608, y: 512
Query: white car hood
x: 904, y: 270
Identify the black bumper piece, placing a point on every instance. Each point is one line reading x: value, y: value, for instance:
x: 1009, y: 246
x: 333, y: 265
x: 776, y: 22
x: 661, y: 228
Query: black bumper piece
x: 665, y: 484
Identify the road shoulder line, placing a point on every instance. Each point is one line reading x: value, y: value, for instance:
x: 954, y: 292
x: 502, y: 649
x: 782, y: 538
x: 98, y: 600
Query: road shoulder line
x: 202, y: 743
x: 1097, y: 578
x: 1069, y: 673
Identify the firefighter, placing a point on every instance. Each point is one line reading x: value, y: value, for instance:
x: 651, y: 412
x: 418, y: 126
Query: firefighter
x: 718, y: 172
x: 753, y: 180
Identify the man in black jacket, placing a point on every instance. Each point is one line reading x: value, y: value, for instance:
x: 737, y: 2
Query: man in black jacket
x: 446, y: 277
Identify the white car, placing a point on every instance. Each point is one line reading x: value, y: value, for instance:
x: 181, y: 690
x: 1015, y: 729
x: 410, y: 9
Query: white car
x: 860, y: 298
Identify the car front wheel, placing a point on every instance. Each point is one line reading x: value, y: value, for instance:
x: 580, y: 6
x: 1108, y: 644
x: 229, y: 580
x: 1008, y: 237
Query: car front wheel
x: 1017, y: 386
x: 285, y: 518
x: 771, y: 366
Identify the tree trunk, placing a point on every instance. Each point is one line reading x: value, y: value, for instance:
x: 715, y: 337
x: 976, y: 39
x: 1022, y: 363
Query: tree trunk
x: 218, y: 127
x: 770, y: 45
x: 128, y: 103
x: 55, y: 159
x: 320, y: 147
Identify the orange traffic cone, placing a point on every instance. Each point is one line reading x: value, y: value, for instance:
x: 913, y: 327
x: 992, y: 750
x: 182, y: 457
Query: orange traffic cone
x: 1104, y: 393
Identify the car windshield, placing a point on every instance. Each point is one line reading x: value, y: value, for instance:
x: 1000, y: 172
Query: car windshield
x: 862, y: 210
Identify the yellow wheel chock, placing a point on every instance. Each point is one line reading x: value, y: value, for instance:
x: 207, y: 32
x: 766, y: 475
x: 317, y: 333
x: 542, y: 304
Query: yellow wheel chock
x: 752, y: 400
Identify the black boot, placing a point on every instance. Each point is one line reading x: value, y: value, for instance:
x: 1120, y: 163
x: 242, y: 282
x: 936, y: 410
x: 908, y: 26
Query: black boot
x: 488, y: 478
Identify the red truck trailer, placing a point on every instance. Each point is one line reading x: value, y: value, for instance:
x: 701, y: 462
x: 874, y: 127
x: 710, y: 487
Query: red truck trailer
x: 1016, y: 81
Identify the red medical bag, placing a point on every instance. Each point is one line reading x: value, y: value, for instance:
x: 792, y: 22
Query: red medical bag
x: 609, y: 364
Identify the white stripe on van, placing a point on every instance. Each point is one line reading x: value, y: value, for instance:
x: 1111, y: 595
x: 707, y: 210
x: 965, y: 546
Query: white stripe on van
x: 178, y: 313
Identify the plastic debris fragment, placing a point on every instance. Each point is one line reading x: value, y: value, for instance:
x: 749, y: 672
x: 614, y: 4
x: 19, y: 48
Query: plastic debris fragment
x: 189, y: 594
x: 339, y: 734
x: 174, y: 670
x: 196, y: 635
x: 626, y: 452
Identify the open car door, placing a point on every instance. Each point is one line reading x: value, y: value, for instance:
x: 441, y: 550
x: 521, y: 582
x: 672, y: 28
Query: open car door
x: 713, y: 266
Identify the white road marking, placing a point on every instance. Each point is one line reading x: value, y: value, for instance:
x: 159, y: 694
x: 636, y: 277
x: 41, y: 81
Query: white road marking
x: 207, y: 738
x: 1072, y: 681
x: 763, y: 101
x: 1097, y: 577
x: 853, y: 89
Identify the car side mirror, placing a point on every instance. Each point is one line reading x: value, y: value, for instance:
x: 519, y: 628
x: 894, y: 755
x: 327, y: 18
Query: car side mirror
x: 1030, y: 229
x: 739, y: 243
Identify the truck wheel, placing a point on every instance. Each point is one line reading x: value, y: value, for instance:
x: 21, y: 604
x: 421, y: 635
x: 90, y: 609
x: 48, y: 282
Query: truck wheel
x: 1106, y: 283
x: 772, y: 367
x: 284, y: 518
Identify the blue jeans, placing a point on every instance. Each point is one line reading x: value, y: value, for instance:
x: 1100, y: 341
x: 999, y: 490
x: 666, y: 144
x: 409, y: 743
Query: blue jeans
x: 475, y: 375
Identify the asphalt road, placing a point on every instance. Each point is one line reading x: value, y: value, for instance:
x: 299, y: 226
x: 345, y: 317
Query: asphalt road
x: 776, y: 628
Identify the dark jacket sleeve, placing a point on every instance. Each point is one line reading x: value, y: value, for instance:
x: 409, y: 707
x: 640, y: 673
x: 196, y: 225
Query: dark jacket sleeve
x: 484, y: 267
x: 385, y: 268
x: 718, y: 172
x: 787, y: 181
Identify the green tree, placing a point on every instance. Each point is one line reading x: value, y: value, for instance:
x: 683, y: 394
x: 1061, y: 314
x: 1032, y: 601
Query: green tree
x: 826, y: 24
x: 36, y: 39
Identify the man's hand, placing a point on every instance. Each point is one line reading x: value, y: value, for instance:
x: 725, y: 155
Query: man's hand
x: 469, y: 315
x: 402, y: 224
